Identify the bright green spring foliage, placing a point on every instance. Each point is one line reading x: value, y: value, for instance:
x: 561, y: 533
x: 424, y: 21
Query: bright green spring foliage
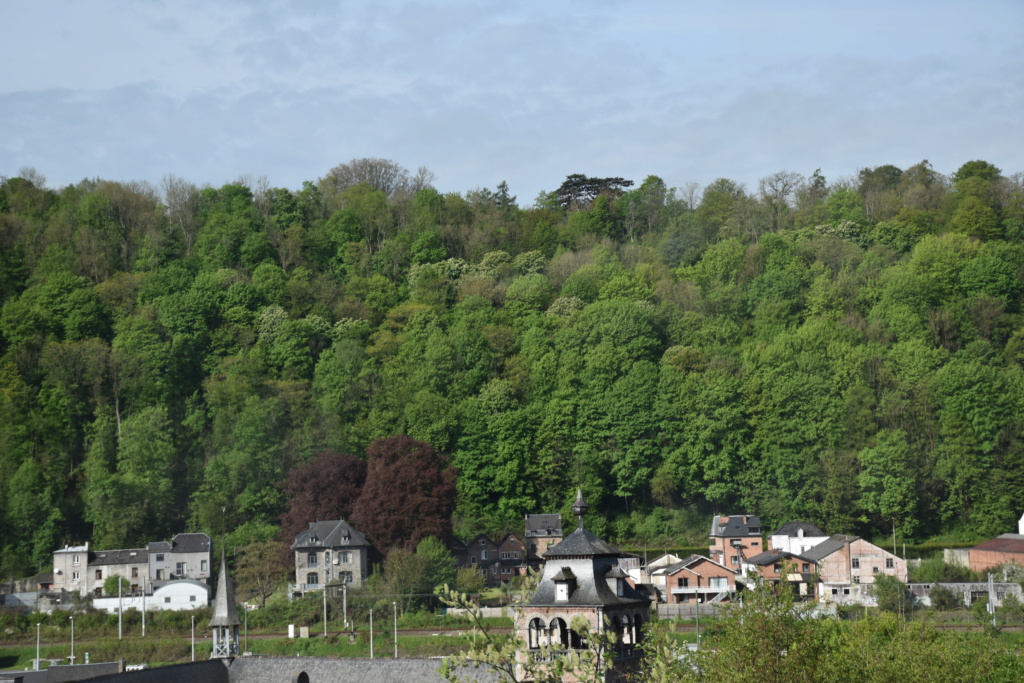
x: 848, y: 355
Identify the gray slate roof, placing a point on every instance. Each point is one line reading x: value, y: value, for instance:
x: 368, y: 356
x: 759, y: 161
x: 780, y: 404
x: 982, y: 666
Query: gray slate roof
x: 773, y: 556
x: 735, y: 526
x: 825, y: 548
x: 580, y: 543
x: 190, y: 543
x: 543, y: 525
x: 107, y: 557
x: 330, y: 534
x: 159, y: 546
x: 225, y: 611
x: 791, y: 529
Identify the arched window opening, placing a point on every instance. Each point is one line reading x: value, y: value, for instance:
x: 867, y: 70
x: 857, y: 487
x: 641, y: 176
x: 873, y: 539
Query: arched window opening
x: 559, y: 633
x: 536, y: 634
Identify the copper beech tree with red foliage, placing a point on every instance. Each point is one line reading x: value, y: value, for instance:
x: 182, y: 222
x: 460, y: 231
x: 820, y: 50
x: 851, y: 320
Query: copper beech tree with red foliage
x: 326, y: 487
x: 409, y: 494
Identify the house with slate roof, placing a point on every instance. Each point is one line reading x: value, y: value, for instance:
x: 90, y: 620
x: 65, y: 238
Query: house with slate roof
x: 796, y: 537
x: 542, y: 532
x: 582, y: 579
x: 848, y: 565
x: 779, y: 567
x: 184, y: 557
x: 329, y: 552
x: 694, y: 580
x: 734, y: 537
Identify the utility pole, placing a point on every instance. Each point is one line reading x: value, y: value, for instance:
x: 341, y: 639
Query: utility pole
x: 394, y: 606
x: 120, y: 609
x: 193, y: 638
x: 344, y: 603
x: 325, y: 612
x: 72, y: 657
x: 143, y: 606
x: 371, y: 634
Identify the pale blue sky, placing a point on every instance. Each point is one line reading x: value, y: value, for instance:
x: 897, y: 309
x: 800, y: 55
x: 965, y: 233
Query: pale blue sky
x: 481, y: 92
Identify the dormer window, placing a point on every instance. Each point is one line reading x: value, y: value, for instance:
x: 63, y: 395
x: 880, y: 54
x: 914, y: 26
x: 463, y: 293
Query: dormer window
x: 565, y: 582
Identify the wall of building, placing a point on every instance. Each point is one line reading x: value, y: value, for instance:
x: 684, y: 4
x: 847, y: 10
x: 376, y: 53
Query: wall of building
x: 350, y: 670
x: 983, y: 560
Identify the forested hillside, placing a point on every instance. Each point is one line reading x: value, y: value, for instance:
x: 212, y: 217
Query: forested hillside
x: 847, y: 353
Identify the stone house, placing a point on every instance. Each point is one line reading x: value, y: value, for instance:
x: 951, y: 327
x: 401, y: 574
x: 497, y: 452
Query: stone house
x: 184, y: 557
x: 329, y: 552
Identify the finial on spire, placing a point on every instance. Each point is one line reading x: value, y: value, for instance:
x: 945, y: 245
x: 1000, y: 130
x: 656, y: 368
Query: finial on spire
x: 580, y: 507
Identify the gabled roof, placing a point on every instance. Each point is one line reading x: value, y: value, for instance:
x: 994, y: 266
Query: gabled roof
x: 190, y: 543
x: 580, y: 543
x: 791, y: 529
x: 773, y: 556
x: 125, y: 556
x: 1004, y: 543
x: 734, y: 526
x: 330, y: 534
x: 827, y: 547
x: 543, y: 525
x: 686, y: 564
x: 159, y: 546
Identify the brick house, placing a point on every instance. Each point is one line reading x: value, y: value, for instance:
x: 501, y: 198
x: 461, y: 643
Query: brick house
x: 695, y: 580
x: 1000, y: 550
x: 734, y: 537
x: 848, y: 565
x: 779, y: 566
x: 328, y: 553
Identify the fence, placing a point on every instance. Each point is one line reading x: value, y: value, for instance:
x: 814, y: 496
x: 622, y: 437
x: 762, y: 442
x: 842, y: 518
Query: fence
x: 688, y: 611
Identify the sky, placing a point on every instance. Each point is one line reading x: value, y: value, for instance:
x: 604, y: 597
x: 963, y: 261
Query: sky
x: 522, y: 92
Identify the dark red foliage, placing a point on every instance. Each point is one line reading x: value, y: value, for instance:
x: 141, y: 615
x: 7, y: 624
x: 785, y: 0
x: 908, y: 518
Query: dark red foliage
x: 326, y: 487
x: 409, y: 494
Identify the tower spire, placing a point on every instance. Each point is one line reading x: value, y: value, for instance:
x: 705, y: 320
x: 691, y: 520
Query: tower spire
x: 580, y: 507
x: 225, y: 620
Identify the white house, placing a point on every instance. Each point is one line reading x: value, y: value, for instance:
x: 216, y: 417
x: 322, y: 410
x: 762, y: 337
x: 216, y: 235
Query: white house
x: 797, y: 537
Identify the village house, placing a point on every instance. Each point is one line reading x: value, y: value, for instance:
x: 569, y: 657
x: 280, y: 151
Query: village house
x: 848, y: 565
x: 695, y: 580
x: 734, y: 537
x: 779, y: 566
x: 542, y: 532
x: 184, y: 557
x: 583, y: 581
x: 796, y: 537
x: 327, y: 553
x: 1000, y: 550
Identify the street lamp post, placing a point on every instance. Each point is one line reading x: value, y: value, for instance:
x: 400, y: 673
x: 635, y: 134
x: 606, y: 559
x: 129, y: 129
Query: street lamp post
x: 36, y: 668
x: 143, y: 607
x: 72, y: 657
x: 371, y: 634
x: 394, y: 606
x: 120, y: 608
x: 193, y: 638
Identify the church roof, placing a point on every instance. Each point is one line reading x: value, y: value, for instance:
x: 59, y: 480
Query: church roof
x: 225, y: 612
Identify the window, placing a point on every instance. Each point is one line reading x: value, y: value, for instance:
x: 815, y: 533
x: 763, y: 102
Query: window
x: 167, y: 599
x: 684, y: 583
x: 856, y: 579
x: 778, y: 568
x: 835, y: 591
x: 718, y: 582
x: 755, y: 543
x: 846, y: 591
x: 515, y: 555
x: 181, y: 569
x: 99, y: 574
x: 345, y: 557
x: 310, y: 559
x: 345, y: 577
x: 159, y: 574
x: 75, y: 560
x: 855, y: 563
x: 888, y: 563
x: 313, y: 579
x: 874, y: 570
x: 191, y: 598
x: 135, y: 572
x: 735, y: 559
x: 203, y: 566
x: 506, y: 556
x: 159, y: 557
x: 806, y: 567
x: 483, y: 554
x: 504, y: 570
x: 74, y: 577
x: 472, y: 559
x: 483, y: 542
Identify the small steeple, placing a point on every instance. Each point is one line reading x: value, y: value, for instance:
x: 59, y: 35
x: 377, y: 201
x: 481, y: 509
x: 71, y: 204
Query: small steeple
x: 580, y: 507
x: 225, y: 620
